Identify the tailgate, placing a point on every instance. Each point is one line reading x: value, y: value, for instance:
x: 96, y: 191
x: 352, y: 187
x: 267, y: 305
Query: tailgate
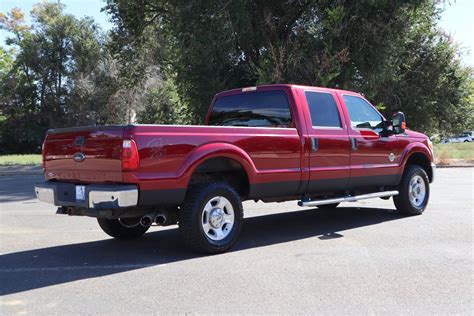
x: 84, y: 154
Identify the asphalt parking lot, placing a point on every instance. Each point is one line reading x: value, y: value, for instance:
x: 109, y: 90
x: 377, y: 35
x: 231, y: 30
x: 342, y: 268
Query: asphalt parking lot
x: 359, y: 258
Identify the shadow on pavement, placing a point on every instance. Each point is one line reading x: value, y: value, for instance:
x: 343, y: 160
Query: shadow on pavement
x: 33, y: 269
x: 18, y: 188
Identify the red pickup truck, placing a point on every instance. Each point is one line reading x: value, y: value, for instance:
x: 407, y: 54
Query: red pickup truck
x: 272, y: 143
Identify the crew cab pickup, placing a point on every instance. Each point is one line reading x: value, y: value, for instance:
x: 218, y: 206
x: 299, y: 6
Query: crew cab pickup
x: 272, y: 143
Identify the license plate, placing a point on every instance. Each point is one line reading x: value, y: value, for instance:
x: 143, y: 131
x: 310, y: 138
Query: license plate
x: 80, y: 192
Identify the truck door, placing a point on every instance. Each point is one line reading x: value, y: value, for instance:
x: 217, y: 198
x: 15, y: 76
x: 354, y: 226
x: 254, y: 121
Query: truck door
x: 263, y: 127
x: 327, y: 143
x: 374, y: 158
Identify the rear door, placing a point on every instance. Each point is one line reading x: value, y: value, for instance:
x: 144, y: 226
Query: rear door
x: 85, y: 154
x: 374, y: 158
x: 271, y: 139
x: 327, y: 142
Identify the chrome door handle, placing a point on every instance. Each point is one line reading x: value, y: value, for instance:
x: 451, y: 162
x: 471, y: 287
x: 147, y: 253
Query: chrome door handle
x: 314, y: 144
x: 354, y: 144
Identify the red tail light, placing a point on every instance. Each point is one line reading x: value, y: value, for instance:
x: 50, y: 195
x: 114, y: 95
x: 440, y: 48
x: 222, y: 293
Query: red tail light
x: 130, y: 159
x: 43, y: 158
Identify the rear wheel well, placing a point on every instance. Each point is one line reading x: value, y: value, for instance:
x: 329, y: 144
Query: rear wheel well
x: 423, y: 161
x: 222, y: 169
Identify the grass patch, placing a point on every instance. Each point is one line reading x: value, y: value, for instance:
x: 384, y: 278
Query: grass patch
x: 8, y: 160
x: 446, y: 152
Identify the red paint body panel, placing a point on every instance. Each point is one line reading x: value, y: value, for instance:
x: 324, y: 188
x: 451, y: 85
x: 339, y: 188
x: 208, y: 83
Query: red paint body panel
x: 102, y: 149
x: 169, y: 154
x: 331, y: 160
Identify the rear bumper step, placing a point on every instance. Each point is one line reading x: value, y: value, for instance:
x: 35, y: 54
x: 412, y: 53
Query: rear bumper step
x: 348, y: 198
x: 100, y: 196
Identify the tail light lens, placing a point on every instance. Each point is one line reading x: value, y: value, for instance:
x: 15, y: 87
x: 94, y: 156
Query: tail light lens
x: 130, y: 159
x: 43, y: 158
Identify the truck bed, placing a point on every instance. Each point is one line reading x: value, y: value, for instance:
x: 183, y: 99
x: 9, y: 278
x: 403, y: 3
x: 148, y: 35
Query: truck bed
x: 168, y: 153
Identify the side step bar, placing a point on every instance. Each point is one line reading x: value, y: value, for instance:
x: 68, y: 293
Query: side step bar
x: 348, y: 198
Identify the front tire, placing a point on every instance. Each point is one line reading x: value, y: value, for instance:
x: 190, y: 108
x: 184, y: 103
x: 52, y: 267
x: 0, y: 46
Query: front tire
x: 125, y: 229
x: 414, y: 191
x: 210, y: 219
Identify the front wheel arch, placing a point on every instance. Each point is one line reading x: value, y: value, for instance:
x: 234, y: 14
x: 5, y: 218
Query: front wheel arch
x: 420, y: 159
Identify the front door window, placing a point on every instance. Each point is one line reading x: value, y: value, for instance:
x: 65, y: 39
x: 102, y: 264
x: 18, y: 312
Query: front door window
x: 362, y: 114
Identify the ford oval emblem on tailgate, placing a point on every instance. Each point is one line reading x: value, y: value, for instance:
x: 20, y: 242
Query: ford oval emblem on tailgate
x: 79, y: 157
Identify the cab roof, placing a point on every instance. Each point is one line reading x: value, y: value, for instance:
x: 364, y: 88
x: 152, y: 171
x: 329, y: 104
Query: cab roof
x: 281, y: 86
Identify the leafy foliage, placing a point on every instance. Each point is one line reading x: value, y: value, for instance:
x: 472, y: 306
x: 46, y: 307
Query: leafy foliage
x: 163, y: 105
x: 165, y: 60
x: 59, y: 73
x: 53, y: 79
x: 391, y: 51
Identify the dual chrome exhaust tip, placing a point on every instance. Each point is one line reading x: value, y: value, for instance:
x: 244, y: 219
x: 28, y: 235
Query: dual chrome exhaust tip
x: 149, y: 219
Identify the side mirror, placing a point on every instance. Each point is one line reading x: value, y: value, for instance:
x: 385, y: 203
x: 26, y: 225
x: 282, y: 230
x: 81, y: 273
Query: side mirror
x: 387, y: 129
x: 399, y: 123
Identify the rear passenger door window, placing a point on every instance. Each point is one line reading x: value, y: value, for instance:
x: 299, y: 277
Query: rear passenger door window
x: 323, y: 109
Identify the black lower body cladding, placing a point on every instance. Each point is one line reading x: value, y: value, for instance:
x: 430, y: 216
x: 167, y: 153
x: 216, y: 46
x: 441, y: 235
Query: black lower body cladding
x: 161, y: 197
x: 278, y: 189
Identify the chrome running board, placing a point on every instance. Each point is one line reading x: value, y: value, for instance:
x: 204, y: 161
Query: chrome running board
x: 348, y: 198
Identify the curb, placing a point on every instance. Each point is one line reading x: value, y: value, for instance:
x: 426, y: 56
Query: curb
x: 453, y: 166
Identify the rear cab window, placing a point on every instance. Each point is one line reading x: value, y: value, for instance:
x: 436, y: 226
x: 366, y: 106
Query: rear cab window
x: 252, y: 109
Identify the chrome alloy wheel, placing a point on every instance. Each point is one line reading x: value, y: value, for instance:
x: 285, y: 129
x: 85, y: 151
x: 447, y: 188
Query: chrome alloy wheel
x: 417, y: 191
x: 217, y: 218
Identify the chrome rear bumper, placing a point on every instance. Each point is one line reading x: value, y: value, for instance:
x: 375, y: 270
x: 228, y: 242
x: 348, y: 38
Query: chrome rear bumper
x: 433, y: 171
x: 100, y: 196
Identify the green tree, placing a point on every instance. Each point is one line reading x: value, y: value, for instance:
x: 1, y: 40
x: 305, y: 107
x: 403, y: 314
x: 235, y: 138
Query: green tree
x: 390, y: 50
x: 17, y: 93
x: 162, y: 105
x: 61, y: 75
x: 6, y: 67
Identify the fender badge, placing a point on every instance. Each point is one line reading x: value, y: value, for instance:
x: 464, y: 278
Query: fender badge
x: 79, y: 141
x: 391, y: 157
x: 78, y: 157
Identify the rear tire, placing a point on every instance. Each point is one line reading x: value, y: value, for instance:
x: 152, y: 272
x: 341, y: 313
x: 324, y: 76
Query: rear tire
x: 414, y: 191
x: 210, y: 219
x: 114, y: 228
x: 328, y: 206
